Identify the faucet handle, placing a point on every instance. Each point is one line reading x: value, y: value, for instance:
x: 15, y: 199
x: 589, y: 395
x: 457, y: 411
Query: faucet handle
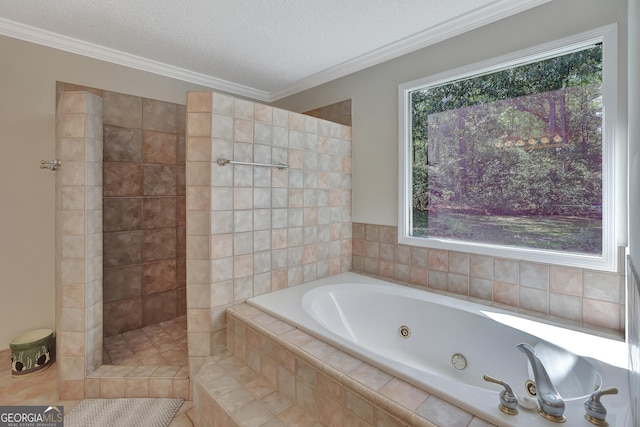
x: 508, y: 400
x: 596, y: 412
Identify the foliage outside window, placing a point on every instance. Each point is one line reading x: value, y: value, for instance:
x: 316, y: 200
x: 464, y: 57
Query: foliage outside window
x: 513, y: 156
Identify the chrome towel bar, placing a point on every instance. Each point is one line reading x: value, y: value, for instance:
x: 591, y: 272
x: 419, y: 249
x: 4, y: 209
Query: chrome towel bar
x: 224, y: 162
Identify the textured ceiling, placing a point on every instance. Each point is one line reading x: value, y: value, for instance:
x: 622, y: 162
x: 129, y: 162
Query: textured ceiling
x: 260, y: 48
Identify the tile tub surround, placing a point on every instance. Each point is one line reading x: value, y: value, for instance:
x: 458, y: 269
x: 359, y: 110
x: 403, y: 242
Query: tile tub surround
x: 254, y: 229
x: 572, y: 296
x: 283, y: 376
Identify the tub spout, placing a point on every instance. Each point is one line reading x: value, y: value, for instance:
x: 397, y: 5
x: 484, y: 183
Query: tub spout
x: 550, y: 401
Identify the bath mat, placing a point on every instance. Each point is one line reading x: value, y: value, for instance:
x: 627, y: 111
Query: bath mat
x: 123, y: 413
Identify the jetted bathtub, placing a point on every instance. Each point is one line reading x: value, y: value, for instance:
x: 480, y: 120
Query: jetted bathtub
x: 445, y: 345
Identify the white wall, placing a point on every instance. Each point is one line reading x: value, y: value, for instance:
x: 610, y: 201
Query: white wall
x: 27, y: 135
x: 374, y: 91
x: 634, y: 132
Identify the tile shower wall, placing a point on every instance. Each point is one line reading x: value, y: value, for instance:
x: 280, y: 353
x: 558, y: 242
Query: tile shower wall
x: 78, y: 240
x: 144, y: 212
x: 570, y: 295
x: 340, y: 112
x: 254, y: 229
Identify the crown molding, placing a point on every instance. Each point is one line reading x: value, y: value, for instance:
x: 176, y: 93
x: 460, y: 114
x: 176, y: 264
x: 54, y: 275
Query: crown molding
x: 459, y: 25
x: 495, y: 11
x: 31, y: 34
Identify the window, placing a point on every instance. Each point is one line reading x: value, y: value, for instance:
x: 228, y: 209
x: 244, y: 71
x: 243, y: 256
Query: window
x: 515, y: 157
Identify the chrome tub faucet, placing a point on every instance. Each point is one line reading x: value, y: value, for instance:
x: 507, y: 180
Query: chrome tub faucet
x: 550, y: 402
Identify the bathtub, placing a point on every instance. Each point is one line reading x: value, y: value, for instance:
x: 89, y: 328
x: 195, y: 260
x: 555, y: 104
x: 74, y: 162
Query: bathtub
x: 445, y: 345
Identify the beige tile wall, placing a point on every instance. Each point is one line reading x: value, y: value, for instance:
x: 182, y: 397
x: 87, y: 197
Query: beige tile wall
x: 252, y: 230
x: 146, y: 136
x: 78, y: 240
x: 570, y: 295
x: 79, y: 265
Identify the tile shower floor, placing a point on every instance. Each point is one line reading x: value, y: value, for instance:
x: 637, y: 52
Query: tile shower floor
x: 154, y: 345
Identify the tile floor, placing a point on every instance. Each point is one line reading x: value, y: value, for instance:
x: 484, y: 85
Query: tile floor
x: 41, y: 388
x: 164, y: 344
x: 154, y: 345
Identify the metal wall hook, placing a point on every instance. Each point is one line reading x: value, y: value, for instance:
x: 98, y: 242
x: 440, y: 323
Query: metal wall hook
x: 52, y: 165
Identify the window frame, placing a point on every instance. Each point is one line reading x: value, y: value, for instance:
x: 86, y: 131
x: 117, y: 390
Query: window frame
x: 611, y: 162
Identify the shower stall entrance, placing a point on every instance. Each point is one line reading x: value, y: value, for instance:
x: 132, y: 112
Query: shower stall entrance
x: 144, y: 280
x: 143, y: 224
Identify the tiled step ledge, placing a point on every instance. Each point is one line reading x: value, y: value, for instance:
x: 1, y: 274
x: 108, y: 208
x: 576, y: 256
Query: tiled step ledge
x: 117, y: 381
x: 327, y: 383
x: 227, y: 393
